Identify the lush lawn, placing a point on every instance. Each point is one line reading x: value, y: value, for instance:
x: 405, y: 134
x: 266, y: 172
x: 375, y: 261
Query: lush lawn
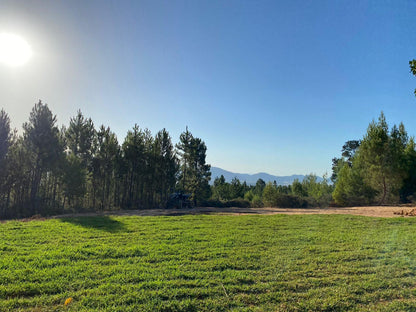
x: 209, y: 263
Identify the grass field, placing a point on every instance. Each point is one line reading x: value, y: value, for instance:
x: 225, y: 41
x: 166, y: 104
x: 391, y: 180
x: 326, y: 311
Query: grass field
x: 209, y: 263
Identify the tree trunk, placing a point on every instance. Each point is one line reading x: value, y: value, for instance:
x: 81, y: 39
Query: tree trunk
x: 384, y: 191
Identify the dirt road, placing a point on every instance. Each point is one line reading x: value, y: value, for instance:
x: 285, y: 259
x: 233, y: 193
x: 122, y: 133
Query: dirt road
x: 372, y: 211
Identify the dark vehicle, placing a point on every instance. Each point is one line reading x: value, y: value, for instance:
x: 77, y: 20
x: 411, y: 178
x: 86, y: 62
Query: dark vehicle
x: 179, y: 200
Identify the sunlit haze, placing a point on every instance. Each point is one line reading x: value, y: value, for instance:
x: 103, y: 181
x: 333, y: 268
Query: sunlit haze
x: 14, y: 50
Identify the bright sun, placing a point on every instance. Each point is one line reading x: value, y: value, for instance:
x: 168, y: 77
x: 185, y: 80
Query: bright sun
x: 14, y: 50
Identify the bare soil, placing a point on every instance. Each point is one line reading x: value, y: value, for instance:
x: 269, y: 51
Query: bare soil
x: 370, y: 211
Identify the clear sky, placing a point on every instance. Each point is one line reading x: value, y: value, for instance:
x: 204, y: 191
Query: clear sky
x: 270, y: 86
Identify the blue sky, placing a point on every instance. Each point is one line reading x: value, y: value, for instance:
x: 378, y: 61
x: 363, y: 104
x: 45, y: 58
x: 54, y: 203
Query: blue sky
x: 270, y: 86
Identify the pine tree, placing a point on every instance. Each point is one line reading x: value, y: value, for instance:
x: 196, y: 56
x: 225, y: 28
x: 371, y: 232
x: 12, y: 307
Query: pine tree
x: 195, y: 174
x: 80, y: 137
x: 165, y: 166
x: 104, y: 164
x: 5, y: 142
x: 381, y: 155
x: 134, y: 149
x: 42, y: 138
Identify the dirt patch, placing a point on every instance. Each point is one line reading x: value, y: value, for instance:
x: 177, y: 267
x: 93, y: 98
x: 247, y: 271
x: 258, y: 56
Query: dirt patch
x: 370, y: 211
x: 408, y: 213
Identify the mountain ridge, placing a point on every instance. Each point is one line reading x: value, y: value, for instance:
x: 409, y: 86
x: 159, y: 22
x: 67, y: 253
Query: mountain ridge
x: 251, y: 179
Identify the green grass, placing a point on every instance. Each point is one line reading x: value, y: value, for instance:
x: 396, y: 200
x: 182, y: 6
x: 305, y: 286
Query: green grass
x: 209, y: 263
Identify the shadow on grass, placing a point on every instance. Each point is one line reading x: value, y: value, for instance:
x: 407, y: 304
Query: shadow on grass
x: 104, y: 223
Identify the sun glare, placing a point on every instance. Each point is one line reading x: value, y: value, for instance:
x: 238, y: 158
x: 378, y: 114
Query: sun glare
x: 14, y: 50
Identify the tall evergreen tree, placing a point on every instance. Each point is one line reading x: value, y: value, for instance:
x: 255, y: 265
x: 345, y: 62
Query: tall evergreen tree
x: 408, y: 188
x: 5, y: 142
x: 236, y: 188
x: 298, y: 188
x: 103, y: 169
x: 259, y: 187
x: 195, y: 174
x: 80, y: 137
x: 184, y: 148
x: 134, y: 149
x: 378, y: 168
x: 220, y: 189
x: 165, y: 166
x: 351, y: 188
x: 381, y: 155
x: 42, y: 138
x: 348, y: 152
x: 5, y: 134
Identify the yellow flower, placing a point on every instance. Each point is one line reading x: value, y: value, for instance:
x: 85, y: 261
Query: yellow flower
x: 68, y: 301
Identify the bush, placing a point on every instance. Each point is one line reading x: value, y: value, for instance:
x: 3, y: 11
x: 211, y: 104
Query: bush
x: 290, y: 201
x: 249, y: 195
x: 239, y: 202
x: 256, y: 202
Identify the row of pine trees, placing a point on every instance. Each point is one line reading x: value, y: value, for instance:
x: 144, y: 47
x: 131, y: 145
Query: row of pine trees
x: 49, y: 170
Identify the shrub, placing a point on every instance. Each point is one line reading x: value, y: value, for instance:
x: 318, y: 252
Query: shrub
x: 256, y: 202
x: 290, y: 201
x: 238, y: 202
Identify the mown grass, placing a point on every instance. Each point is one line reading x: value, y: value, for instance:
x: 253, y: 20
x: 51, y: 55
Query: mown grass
x: 209, y: 263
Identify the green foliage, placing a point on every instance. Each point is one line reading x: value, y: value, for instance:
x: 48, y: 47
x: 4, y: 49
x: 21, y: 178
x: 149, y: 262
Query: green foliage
x: 412, y: 65
x: 237, y: 203
x: 194, y: 173
x: 5, y: 143
x: 319, y: 191
x: 381, y: 170
x: 381, y: 156
x: 308, y: 193
x: 42, y: 139
x: 409, y: 164
x: 50, y: 170
x: 236, y: 193
x: 249, y: 195
x: 209, y: 263
x: 165, y: 164
x: 270, y: 195
x: 259, y: 187
x: 298, y: 189
x: 236, y: 189
x: 5, y: 134
x: 351, y: 188
x: 81, y: 138
x: 74, y: 180
x: 256, y: 201
x: 348, y: 152
x: 273, y: 198
x: 104, y: 166
x: 221, y: 189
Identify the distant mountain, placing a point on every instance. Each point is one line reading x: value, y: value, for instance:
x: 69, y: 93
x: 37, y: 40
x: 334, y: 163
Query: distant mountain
x: 251, y: 179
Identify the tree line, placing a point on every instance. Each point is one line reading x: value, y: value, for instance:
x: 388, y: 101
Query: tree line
x: 378, y: 169
x: 50, y: 169
x: 300, y: 194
